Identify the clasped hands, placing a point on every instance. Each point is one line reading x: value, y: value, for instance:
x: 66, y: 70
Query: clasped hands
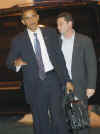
x: 19, y: 62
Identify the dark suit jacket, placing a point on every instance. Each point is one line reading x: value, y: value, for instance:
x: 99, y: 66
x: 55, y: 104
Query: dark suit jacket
x: 84, y: 68
x: 22, y: 47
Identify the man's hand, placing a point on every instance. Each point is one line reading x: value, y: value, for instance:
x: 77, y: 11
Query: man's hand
x: 90, y: 92
x: 19, y: 62
x: 69, y: 87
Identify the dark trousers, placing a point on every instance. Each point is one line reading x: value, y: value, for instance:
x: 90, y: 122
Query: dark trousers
x: 82, y: 131
x: 48, y: 96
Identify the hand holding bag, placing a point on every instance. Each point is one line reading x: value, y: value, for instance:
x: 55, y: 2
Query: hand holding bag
x: 76, y: 112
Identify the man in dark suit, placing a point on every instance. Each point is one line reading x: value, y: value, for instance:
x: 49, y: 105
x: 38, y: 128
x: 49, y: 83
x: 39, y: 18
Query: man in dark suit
x: 36, y: 51
x: 80, y: 58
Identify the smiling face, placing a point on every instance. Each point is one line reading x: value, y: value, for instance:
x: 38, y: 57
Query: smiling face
x: 30, y: 19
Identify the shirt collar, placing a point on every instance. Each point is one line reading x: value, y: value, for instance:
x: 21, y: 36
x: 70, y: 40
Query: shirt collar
x: 37, y: 30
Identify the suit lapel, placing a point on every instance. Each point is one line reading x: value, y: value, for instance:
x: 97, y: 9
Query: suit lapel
x: 45, y: 37
x: 29, y: 54
x: 47, y: 41
x: 28, y: 44
x: 60, y: 41
x: 75, y: 53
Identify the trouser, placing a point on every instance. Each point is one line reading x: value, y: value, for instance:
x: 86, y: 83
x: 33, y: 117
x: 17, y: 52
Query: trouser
x: 49, y: 96
x: 82, y: 131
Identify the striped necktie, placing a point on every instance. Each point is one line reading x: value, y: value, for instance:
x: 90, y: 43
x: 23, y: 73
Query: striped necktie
x: 39, y: 57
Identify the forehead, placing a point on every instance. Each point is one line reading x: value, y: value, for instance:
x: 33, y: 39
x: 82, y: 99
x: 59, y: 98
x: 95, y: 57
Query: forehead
x: 61, y: 19
x: 28, y: 13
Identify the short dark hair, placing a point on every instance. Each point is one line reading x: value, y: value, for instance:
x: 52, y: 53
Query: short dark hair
x: 67, y: 16
x: 26, y: 9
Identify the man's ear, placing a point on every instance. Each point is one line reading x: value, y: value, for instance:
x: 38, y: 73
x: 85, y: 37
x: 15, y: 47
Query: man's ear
x: 38, y: 17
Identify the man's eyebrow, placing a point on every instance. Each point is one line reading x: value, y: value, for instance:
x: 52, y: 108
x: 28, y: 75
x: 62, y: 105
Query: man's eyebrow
x: 30, y: 16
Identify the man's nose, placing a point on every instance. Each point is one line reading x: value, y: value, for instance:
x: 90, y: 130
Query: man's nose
x: 31, y: 18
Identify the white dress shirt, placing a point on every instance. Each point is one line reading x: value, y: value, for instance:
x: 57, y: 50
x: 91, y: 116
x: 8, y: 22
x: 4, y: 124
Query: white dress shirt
x: 45, y: 57
x: 67, y: 49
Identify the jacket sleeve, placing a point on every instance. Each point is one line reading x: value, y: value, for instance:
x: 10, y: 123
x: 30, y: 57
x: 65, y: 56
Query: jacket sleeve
x: 91, y: 64
x: 14, y: 53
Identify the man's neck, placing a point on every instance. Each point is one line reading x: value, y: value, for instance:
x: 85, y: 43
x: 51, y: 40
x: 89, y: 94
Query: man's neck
x: 69, y: 34
x: 33, y: 31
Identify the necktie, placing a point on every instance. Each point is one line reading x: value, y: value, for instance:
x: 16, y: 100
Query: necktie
x: 39, y: 57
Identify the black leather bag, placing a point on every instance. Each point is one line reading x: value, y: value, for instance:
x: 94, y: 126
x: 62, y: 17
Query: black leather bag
x: 76, y: 112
